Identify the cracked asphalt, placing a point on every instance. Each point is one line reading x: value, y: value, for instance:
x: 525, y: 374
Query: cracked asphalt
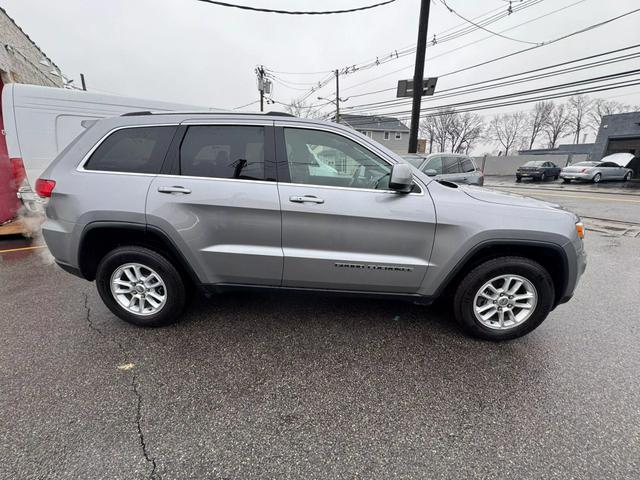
x: 304, y: 386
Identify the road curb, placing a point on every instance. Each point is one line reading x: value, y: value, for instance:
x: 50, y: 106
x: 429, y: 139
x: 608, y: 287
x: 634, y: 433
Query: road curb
x: 489, y: 185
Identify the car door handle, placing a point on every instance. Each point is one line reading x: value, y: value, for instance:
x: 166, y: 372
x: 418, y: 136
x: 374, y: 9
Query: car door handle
x: 174, y: 189
x: 305, y: 199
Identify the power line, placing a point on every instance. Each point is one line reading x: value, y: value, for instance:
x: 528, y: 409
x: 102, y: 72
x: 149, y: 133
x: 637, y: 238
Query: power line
x: 483, y: 28
x: 297, y: 12
x: 597, y: 63
x: 247, y: 105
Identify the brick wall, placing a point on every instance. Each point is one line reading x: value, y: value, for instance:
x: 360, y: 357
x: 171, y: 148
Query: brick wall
x: 20, y: 57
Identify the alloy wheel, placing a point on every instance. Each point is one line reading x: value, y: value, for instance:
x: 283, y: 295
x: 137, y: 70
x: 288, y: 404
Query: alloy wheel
x: 138, y: 289
x: 505, y: 302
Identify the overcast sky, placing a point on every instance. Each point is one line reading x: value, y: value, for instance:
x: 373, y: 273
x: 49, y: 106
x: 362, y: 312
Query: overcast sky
x: 195, y: 53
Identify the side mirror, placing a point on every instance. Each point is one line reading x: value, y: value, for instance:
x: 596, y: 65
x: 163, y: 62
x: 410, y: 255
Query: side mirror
x: 431, y: 172
x: 401, y: 178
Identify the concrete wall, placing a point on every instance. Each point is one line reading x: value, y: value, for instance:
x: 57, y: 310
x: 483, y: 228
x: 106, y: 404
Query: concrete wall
x: 20, y: 57
x: 508, y: 164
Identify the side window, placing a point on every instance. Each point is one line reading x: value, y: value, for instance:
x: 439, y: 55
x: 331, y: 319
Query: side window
x: 132, y: 150
x: 223, y: 152
x: 434, y: 163
x: 387, y: 135
x: 323, y: 158
x: 450, y: 165
x: 467, y: 166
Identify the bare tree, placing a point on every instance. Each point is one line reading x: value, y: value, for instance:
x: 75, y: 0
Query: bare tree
x: 557, y: 125
x: 603, y: 107
x: 301, y: 109
x: 507, y: 128
x: 466, y: 129
x: 536, y: 121
x: 438, y: 127
x: 579, y: 108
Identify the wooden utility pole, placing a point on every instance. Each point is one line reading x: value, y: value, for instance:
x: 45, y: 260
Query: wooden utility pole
x: 418, y: 75
x: 337, y: 96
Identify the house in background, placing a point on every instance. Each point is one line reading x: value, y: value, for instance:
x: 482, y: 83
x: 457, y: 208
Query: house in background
x: 21, y: 61
x: 389, y: 131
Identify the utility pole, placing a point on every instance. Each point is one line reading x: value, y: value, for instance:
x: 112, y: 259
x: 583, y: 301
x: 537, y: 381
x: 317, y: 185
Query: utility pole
x: 418, y: 74
x: 84, y: 84
x: 260, y: 72
x: 337, y: 96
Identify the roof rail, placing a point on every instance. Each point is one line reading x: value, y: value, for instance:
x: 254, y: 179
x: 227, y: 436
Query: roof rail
x: 206, y: 112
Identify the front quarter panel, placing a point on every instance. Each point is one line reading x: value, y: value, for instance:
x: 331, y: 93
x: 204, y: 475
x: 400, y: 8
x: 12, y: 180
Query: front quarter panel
x: 466, y: 224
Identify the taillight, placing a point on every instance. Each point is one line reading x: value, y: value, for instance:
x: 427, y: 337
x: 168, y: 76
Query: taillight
x: 18, y: 171
x: 45, y: 187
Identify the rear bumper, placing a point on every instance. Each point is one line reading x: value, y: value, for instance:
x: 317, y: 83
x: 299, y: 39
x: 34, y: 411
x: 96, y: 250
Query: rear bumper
x: 576, y: 176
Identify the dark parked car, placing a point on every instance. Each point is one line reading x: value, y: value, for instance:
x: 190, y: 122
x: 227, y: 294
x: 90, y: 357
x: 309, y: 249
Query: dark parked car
x: 538, y: 170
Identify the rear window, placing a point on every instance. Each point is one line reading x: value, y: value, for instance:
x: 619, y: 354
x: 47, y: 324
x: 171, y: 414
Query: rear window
x: 534, y: 163
x: 223, y: 152
x: 132, y: 150
x: 415, y: 161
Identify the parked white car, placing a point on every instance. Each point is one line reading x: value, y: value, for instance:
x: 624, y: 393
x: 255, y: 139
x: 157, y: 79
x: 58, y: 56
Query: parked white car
x: 590, y: 171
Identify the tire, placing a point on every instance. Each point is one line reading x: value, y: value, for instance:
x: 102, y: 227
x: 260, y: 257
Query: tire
x: 627, y: 177
x: 596, y: 178
x: 518, y: 179
x: 556, y: 177
x: 150, y: 264
x: 566, y: 180
x: 520, y: 267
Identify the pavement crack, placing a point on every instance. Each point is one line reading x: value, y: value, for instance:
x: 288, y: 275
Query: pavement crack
x: 134, y: 388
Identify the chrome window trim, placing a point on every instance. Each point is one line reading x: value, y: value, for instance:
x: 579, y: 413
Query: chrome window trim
x: 217, y: 179
x: 370, y: 190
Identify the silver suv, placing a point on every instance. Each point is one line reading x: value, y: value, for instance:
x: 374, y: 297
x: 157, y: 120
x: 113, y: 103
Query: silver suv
x: 153, y: 206
x: 453, y: 167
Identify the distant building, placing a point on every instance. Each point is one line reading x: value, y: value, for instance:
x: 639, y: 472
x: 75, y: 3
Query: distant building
x: 618, y: 133
x: 389, y: 131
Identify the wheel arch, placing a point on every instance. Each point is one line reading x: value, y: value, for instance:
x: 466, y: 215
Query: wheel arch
x: 99, y: 238
x: 551, y: 256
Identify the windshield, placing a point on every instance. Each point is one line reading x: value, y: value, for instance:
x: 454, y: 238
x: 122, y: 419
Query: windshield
x: 415, y: 161
x: 533, y: 163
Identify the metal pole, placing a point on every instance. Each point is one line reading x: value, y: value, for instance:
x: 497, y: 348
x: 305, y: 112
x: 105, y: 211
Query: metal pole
x: 418, y: 74
x: 84, y: 84
x: 337, y: 97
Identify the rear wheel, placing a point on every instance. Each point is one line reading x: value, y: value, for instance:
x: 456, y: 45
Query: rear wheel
x: 140, y: 286
x: 627, y: 177
x: 596, y: 178
x: 518, y: 179
x: 566, y: 180
x: 555, y: 177
x: 504, y: 298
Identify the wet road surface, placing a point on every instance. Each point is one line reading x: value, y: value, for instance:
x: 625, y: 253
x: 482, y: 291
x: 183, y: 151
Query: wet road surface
x: 306, y: 386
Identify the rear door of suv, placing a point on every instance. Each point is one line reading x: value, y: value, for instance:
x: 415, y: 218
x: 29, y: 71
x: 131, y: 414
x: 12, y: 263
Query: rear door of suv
x: 346, y: 230
x: 217, y: 199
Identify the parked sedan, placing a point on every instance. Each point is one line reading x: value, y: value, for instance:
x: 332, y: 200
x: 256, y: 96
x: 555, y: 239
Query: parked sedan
x: 452, y: 167
x: 595, y: 172
x: 538, y: 170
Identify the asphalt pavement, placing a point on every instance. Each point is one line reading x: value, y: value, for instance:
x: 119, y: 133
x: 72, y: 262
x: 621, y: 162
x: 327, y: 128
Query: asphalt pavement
x: 254, y: 385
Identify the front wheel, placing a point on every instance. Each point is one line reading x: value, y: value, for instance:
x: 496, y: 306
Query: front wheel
x: 140, y: 286
x: 504, y: 298
x: 518, y: 179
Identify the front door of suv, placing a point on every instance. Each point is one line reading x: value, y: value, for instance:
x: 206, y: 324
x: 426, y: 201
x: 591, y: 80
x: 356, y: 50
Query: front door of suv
x: 218, y: 201
x: 343, y: 228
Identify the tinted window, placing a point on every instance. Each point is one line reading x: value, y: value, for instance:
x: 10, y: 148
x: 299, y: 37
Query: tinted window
x: 132, y: 150
x: 534, y: 163
x: 467, y: 166
x: 434, y: 163
x: 322, y: 158
x: 223, y: 152
x: 415, y: 161
x: 609, y: 164
x: 450, y: 165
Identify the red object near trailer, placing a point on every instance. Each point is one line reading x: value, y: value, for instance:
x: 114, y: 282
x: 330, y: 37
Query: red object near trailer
x: 9, y: 202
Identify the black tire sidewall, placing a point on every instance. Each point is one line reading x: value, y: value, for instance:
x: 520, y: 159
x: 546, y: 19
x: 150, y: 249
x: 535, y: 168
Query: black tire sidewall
x: 598, y: 176
x: 532, y: 271
x: 173, y: 282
